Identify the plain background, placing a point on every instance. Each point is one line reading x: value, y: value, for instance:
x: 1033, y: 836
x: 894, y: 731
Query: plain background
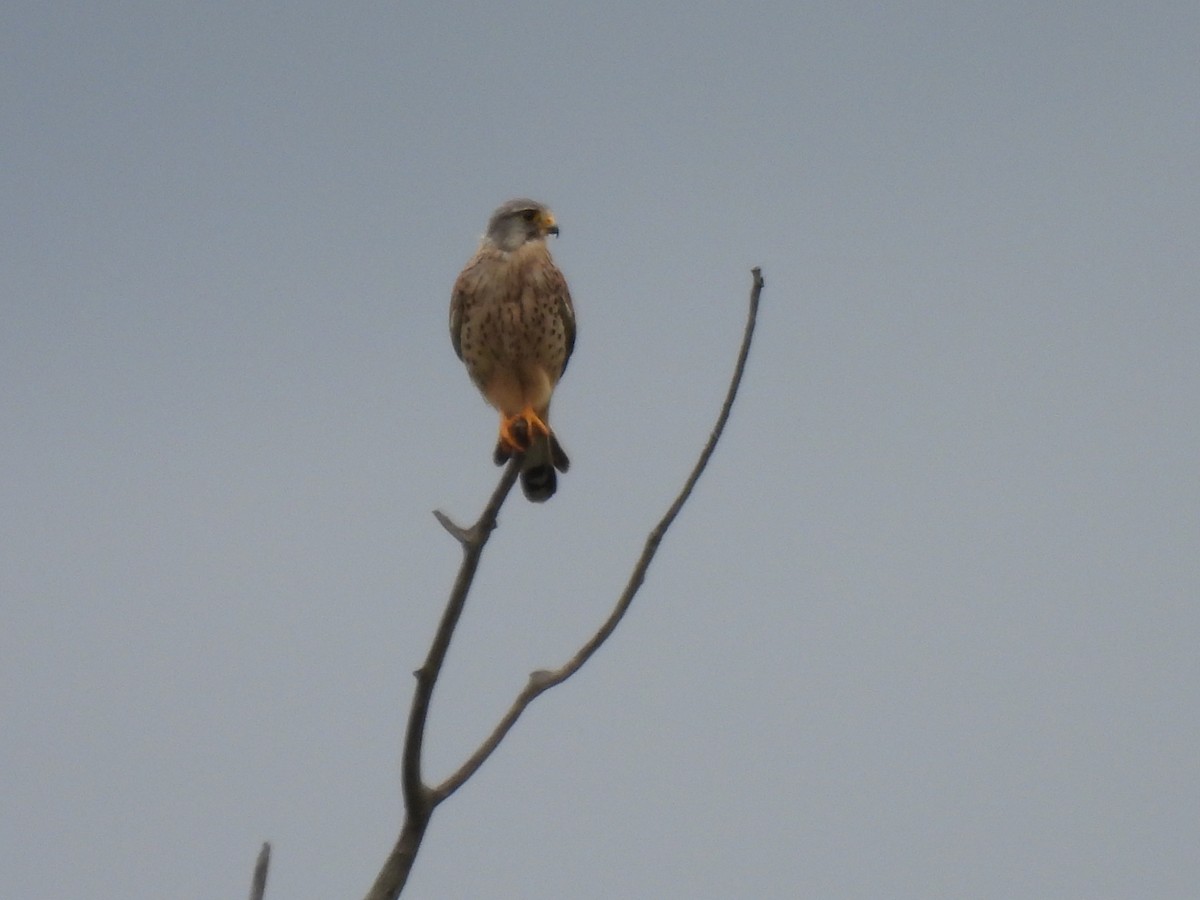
x: 929, y: 626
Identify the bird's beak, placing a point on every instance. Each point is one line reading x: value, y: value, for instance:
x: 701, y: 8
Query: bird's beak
x: 549, y: 225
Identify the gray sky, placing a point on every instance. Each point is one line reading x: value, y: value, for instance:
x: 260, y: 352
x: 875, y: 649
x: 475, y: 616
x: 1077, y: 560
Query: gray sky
x: 929, y: 627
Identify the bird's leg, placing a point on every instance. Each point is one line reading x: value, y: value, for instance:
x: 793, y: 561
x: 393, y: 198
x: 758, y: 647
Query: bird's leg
x: 511, y: 442
x: 534, y: 425
x: 517, y: 434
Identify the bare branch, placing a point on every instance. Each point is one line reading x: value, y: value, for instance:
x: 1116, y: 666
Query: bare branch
x: 258, y: 886
x: 418, y: 802
x: 419, y: 799
x: 394, y: 874
x: 542, y: 680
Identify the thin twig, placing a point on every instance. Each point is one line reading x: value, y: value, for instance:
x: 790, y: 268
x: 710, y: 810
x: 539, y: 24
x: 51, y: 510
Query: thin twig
x: 542, y: 680
x: 258, y: 885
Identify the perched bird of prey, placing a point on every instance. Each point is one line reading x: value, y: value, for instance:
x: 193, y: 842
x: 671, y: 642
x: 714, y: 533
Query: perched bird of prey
x: 512, y: 323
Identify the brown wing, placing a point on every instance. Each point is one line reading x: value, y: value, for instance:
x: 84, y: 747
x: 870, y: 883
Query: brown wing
x: 566, y: 312
x: 456, y: 317
x: 464, y: 286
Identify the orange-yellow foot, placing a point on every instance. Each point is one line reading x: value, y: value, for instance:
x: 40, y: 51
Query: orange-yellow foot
x: 517, y: 433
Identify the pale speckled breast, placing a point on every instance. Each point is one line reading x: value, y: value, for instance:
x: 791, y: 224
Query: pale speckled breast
x: 512, y: 317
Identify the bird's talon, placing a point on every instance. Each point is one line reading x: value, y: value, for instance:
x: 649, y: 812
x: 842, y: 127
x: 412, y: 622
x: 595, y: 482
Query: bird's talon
x: 519, y: 429
x: 513, y: 440
x: 534, y: 424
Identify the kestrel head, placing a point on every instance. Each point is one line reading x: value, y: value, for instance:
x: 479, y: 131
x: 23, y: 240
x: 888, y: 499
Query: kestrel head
x: 518, y: 222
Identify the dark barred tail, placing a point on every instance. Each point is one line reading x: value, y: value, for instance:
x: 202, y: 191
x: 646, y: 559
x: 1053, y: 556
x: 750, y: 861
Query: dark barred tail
x: 539, y: 483
x: 538, y: 479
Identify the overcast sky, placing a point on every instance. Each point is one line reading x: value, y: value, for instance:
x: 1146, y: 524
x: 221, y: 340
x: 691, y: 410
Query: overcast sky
x: 929, y: 626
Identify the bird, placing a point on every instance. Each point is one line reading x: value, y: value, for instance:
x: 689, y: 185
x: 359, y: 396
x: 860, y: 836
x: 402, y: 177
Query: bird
x: 512, y: 324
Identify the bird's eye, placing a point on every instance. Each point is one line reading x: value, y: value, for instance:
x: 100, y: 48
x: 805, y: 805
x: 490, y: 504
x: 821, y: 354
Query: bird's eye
x: 528, y: 214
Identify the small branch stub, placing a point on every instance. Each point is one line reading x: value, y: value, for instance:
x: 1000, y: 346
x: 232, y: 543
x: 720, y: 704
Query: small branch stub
x: 258, y: 884
x: 459, y: 534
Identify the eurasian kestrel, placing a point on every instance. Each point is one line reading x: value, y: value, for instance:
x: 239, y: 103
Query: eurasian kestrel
x: 512, y: 323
